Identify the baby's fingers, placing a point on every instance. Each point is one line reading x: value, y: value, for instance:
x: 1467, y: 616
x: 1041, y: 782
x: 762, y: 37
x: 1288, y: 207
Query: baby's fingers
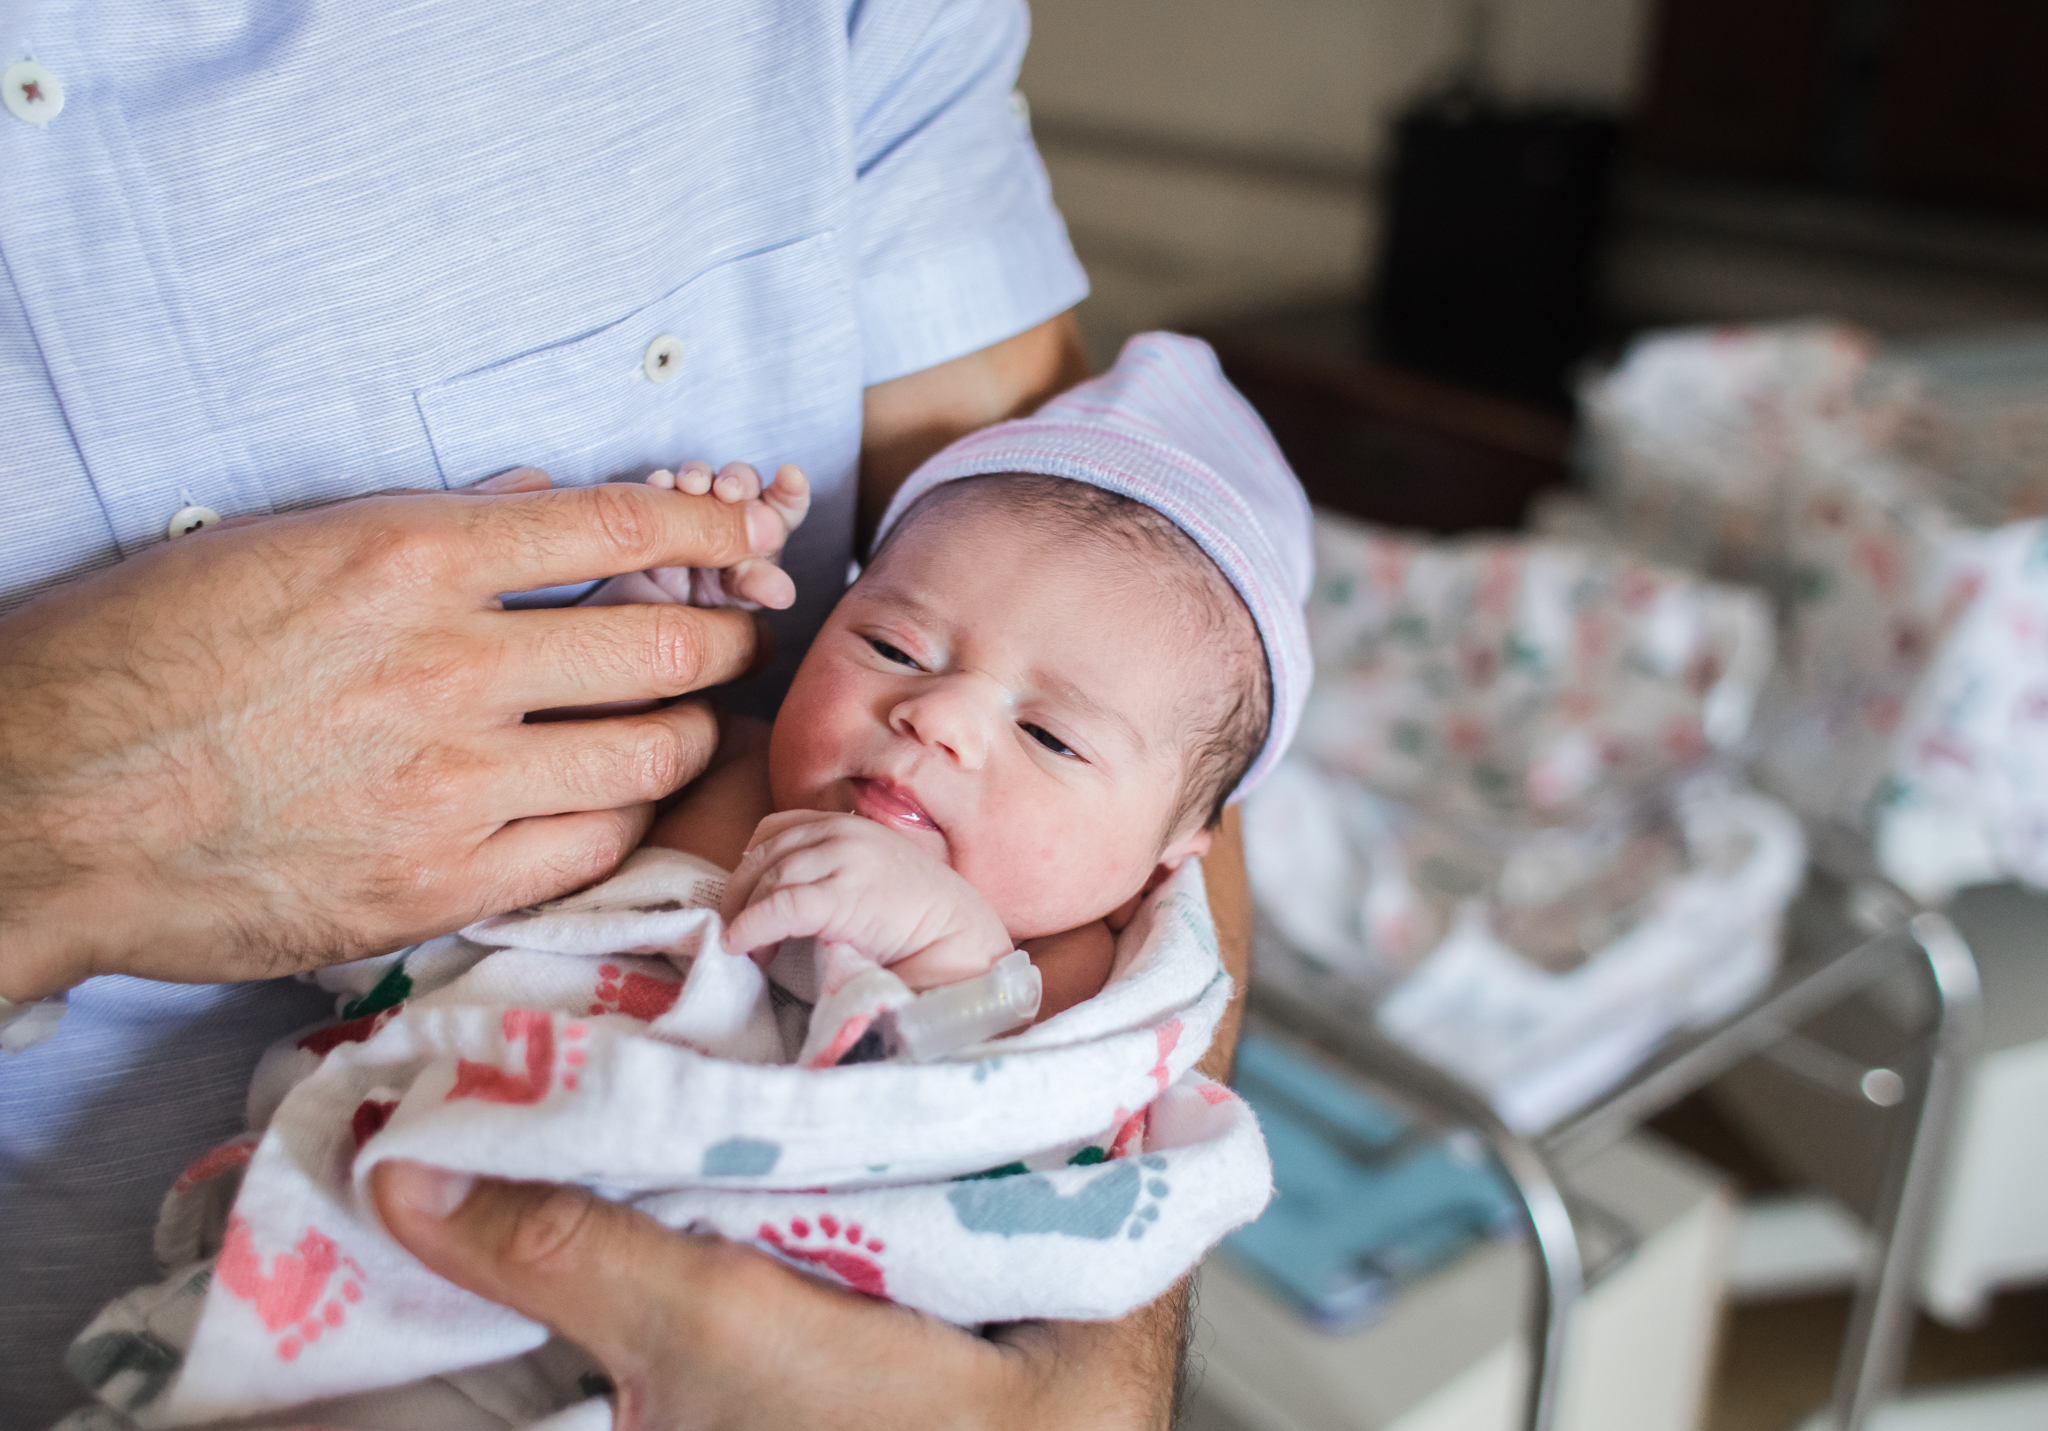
x: 948, y: 960
x: 775, y: 839
x: 789, y: 495
x: 760, y: 581
x: 736, y: 482
x: 791, y: 912
x: 694, y: 478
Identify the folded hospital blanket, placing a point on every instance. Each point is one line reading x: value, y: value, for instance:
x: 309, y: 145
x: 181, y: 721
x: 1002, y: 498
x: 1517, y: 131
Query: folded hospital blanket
x: 1075, y: 1170
x: 1894, y: 499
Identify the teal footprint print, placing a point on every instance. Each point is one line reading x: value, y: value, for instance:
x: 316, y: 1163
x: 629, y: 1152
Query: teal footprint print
x: 1030, y: 1203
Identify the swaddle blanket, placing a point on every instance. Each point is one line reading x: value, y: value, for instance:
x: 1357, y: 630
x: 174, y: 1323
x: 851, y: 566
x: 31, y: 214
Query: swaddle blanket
x: 1075, y: 1170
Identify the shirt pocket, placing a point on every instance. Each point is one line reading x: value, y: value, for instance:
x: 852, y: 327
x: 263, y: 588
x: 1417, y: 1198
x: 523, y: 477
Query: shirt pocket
x: 767, y: 370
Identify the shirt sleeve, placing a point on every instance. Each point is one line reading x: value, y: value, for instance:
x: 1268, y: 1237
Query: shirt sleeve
x: 958, y: 244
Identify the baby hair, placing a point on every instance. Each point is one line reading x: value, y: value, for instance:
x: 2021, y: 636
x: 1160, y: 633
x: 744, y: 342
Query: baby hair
x: 1226, y: 720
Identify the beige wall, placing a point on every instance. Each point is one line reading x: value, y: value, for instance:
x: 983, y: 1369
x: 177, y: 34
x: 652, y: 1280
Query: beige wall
x: 1216, y: 156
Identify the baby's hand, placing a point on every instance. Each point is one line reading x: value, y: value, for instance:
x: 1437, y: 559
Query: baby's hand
x: 845, y: 880
x: 757, y: 581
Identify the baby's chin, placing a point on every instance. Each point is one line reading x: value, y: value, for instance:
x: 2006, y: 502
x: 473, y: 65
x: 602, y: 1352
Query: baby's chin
x: 1037, y: 919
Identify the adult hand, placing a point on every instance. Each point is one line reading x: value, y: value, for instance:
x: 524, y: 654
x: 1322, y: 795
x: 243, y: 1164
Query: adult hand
x: 300, y: 740
x: 697, y: 1333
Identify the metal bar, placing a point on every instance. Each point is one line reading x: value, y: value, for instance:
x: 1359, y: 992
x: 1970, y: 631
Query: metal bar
x: 1881, y: 1320
x: 1560, y: 1275
x: 1694, y: 1064
x: 1830, y: 1068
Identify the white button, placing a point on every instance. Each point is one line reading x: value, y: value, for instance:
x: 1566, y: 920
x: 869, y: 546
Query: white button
x: 664, y: 358
x: 190, y: 519
x: 31, y: 92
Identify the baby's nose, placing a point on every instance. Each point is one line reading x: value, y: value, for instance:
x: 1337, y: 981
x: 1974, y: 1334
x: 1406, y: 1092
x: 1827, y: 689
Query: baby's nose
x: 956, y: 714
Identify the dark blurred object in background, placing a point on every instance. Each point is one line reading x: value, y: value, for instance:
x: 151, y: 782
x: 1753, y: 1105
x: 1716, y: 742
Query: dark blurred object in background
x: 1490, y: 262
x: 1884, y: 161
x: 1927, y: 101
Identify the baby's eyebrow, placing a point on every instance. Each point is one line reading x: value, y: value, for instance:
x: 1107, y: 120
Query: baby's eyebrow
x: 901, y: 600
x: 1069, y: 694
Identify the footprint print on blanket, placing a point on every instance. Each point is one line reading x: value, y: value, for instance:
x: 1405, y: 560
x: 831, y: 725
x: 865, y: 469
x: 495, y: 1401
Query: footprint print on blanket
x: 530, y: 1083
x: 132, y: 1352
x: 849, y: 1262
x: 289, y: 1296
x: 1031, y: 1203
x: 636, y: 995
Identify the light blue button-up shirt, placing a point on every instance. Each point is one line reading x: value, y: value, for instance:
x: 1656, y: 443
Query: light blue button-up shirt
x: 271, y: 255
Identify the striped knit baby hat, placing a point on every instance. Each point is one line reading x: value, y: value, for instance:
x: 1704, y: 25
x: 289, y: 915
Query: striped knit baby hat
x: 1164, y: 427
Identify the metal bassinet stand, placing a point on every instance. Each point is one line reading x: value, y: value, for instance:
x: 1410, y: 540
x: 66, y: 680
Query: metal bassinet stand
x: 1848, y: 932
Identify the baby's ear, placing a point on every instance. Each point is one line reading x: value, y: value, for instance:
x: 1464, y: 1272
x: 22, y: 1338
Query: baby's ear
x: 1190, y: 846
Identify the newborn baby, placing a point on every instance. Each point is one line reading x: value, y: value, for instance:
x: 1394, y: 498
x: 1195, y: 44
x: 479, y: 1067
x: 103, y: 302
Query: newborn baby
x: 1076, y: 638
x: 1026, y: 713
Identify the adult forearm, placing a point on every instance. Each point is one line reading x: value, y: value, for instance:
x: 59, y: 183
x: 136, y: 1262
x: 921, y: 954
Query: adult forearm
x: 1103, y: 1376
x: 907, y: 419
x: 1230, y: 905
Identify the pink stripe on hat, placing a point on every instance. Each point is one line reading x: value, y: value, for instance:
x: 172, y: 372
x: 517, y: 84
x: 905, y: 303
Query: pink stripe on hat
x: 1164, y: 427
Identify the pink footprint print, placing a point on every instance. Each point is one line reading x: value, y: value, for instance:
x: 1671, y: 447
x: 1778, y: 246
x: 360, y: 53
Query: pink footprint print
x: 849, y: 1263
x: 1169, y: 1039
x: 1129, y: 1134
x: 288, y: 1297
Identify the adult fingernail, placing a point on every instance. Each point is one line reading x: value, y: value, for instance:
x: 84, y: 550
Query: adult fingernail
x: 437, y: 1192
x: 764, y: 529
x: 517, y: 478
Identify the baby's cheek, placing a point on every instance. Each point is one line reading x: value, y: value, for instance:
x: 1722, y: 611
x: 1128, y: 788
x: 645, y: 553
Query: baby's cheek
x: 1097, y: 877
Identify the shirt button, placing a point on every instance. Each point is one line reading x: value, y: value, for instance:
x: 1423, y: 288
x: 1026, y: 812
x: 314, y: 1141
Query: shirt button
x: 190, y: 519
x: 663, y: 360
x: 31, y: 92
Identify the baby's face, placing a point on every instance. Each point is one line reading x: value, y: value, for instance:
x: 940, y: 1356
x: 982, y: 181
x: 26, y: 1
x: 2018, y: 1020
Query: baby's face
x: 1010, y: 703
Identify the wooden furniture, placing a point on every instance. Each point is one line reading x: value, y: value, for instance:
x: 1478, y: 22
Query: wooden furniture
x: 1922, y: 101
x: 1391, y: 445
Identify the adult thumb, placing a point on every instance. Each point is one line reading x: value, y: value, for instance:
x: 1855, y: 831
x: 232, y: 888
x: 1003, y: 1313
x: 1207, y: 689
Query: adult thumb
x: 587, y: 1268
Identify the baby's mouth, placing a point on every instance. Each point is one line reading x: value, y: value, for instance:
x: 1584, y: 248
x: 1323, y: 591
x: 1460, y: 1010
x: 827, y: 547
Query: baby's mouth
x: 887, y: 803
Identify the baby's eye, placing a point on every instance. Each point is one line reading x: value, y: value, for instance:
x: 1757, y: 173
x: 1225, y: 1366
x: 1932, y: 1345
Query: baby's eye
x: 891, y: 653
x: 1046, y: 738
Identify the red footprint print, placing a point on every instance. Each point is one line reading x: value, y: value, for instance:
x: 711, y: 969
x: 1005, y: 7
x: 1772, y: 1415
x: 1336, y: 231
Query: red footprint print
x: 851, y: 1265
x: 325, y: 1041
x: 1129, y: 1134
x: 235, y: 1154
x: 369, y: 1118
x: 637, y: 995
x: 492, y: 1084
